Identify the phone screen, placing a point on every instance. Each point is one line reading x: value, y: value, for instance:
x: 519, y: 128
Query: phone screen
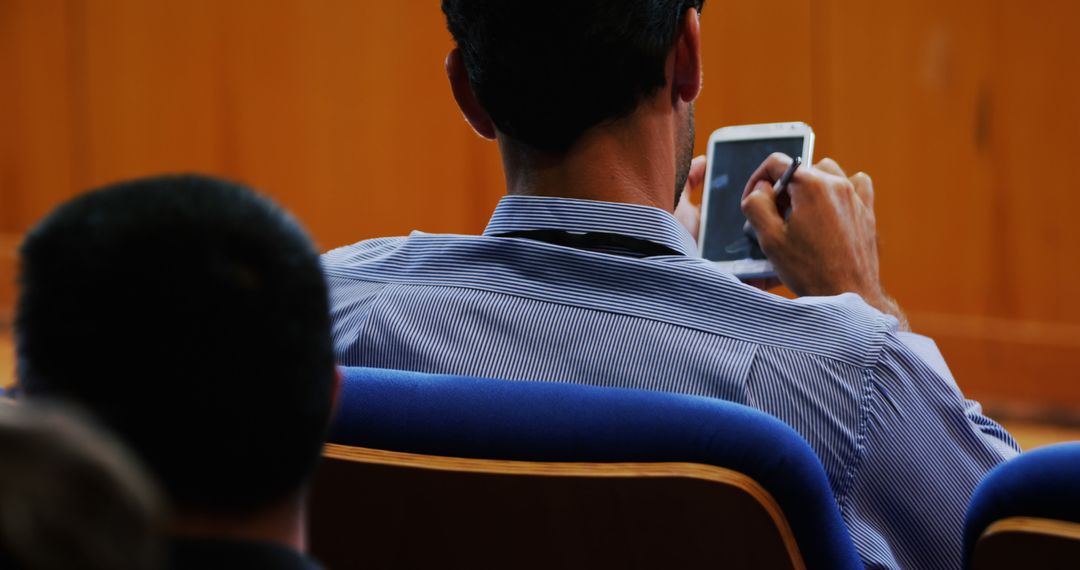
x: 732, y: 164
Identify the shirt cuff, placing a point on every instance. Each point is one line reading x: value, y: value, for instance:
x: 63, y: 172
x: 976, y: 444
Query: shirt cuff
x: 926, y: 349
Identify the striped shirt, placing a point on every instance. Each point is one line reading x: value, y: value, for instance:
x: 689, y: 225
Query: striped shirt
x: 902, y: 447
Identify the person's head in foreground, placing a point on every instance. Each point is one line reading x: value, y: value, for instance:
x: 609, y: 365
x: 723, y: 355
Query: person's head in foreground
x: 190, y: 315
x: 542, y: 77
x: 70, y: 497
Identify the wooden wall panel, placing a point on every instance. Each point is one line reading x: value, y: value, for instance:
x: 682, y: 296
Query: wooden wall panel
x: 957, y: 109
x: 1035, y: 124
x: 338, y: 109
x: 8, y: 245
x: 900, y: 84
x: 1027, y: 349
x: 345, y: 113
x: 150, y: 83
x: 758, y: 64
x: 35, y: 108
x: 963, y: 111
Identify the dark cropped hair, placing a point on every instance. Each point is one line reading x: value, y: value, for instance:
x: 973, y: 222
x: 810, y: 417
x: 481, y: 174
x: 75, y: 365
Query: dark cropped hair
x: 548, y: 70
x: 191, y: 316
x: 71, y: 497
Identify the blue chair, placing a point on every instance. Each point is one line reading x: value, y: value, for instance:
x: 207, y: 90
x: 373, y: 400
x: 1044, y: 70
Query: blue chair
x: 446, y: 470
x: 1026, y: 512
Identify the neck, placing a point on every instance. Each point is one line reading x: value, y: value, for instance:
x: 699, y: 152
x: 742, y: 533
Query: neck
x: 631, y: 160
x: 282, y: 524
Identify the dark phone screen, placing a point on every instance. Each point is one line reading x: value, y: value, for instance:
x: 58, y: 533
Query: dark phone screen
x: 732, y: 164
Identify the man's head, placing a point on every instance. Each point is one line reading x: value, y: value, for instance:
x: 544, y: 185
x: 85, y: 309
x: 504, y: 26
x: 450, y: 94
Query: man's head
x: 545, y: 71
x: 189, y: 315
x: 70, y: 497
x: 541, y: 73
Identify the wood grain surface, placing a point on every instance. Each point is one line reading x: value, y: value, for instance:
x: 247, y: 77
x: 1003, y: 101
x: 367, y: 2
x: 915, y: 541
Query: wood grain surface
x: 963, y: 111
x: 1026, y: 542
x: 391, y: 509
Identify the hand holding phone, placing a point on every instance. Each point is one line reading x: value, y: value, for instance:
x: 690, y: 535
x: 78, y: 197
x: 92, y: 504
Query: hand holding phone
x: 734, y: 154
x: 828, y: 243
x: 780, y: 193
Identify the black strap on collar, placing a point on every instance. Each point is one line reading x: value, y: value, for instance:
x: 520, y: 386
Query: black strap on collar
x: 597, y: 241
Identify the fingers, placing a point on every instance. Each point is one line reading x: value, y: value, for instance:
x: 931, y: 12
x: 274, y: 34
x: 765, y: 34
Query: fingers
x: 864, y: 187
x: 696, y: 177
x: 759, y: 207
x: 688, y: 215
x: 770, y: 171
x: 830, y: 166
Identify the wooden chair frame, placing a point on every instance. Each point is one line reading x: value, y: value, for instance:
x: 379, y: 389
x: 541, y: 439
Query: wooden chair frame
x: 602, y: 473
x: 1028, y: 542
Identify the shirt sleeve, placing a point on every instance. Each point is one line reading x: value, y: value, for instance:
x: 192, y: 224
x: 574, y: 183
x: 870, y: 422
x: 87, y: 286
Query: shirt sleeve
x: 925, y: 449
x: 925, y: 348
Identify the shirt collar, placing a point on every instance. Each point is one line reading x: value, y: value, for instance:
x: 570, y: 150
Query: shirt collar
x: 519, y: 213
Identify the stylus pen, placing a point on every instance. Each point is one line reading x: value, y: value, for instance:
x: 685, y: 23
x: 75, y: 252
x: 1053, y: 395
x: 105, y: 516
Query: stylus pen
x: 781, y: 194
x: 781, y: 185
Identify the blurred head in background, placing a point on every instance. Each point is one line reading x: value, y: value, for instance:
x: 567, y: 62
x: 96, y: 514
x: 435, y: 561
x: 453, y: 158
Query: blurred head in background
x: 553, y: 79
x: 70, y: 497
x: 190, y: 315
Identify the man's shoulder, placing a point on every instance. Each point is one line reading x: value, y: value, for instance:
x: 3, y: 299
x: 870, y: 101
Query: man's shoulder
x: 360, y: 252
x: 680, y: 291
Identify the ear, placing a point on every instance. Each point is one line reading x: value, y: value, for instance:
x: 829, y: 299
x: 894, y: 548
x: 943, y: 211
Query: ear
x: 686, y: 79
x: 459, y: 83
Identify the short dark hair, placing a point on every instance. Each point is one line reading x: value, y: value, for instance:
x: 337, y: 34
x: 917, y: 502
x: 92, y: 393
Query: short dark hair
x: 548, y: 70
x: 70, y: 497
x: 191, y: 316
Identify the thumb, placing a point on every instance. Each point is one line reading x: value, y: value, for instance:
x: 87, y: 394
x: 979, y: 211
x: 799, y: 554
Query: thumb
x: 759, y: 207
x: 696, y: 176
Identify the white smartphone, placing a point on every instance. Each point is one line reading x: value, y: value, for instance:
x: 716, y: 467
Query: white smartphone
x: 734, y: 154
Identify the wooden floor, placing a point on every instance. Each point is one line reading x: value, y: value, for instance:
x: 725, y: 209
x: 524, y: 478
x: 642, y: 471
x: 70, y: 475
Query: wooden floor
x: 1029, y: 434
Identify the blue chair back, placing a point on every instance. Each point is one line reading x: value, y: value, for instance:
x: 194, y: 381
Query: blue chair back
x: 1042, y: 485
x: 477, y: 418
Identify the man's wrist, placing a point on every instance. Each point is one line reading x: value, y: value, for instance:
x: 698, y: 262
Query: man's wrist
x: 889, y: 306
